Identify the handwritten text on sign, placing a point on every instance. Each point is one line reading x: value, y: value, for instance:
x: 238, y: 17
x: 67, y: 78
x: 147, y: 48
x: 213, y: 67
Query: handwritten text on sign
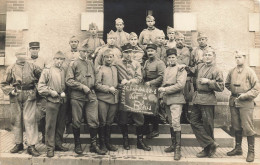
x: 139, y: 99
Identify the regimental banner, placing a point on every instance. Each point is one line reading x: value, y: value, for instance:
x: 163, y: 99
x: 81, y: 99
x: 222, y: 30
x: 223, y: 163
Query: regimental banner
x: 140, y: 99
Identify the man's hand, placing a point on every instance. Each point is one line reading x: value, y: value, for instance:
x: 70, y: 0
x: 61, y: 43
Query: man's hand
x: 203, y: 81
x: 147, y: 84
x: 113, y: 90
x: 85, y: 89
x: 182, y: 67
x: 124, y: 81
x: 14, y: 93
x: 242, y: 96
x: 161, y: 89
x: 54, y: 94
x: 132, y: 81
x: 63, y: 95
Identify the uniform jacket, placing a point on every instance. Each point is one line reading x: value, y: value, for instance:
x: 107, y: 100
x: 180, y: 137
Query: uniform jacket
x: 80, y: 72
x: 183, y: 55
x: 122, y: 38
x: 174, y: 81
x: 242, y: 81
x: 138, y: 54
x: 70, y: 56
x: 169, y: 45
x: 106, y: 77
x: 93, y: 42
x: 148, y: 35
x: 40, y: 62
x: 161, y: 53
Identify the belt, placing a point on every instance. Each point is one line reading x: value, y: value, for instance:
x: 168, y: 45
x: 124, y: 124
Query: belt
x: 205, y: 92
x: 235, y: 95
x: 25, y: 87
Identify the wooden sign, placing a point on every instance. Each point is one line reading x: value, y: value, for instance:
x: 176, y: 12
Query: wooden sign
x: 140, y: 99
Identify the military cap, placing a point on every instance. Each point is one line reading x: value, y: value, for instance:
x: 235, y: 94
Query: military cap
x: 201, y: 35
x: 151, y: 46
x: 171, y: 51
x: 21, y: 51
x: 132, y: 35
x: 119, y: 20
x: 127, y: 47
x: 150, y: 17
x: 170, y: 29
x: 74, y: 38
x: 179, y: 35
x: 59, y: 54
x: 93, y: 25
x: 239, y: 53
x: 34, y: 44
x: 111, y: 34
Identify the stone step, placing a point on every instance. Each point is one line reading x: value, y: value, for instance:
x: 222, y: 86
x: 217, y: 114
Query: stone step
x: 163, y: 129
x: 221, y: 137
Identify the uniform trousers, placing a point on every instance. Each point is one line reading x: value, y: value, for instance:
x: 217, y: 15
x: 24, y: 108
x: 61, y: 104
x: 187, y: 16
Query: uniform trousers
x: 106, y: 113
x: 174, y: 115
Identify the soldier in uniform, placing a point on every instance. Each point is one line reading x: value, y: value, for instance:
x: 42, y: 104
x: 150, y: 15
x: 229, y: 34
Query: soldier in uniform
x: 209, y: 80
x: 111, y: 43
x: 52, y: 86
x: 174, y: 80
x: 73, y: 53
x: 121, y: 35
x: 129, y: 72
x: 153, y: 76
x: 243, y: 84
x: 80, y: 78
x: 160, y: 42
x: 171, y: 43
x: 148, y: 35
x: 107, y: 94
x: 34, y: 48
x: 19, y: 83
x: 138, y: 53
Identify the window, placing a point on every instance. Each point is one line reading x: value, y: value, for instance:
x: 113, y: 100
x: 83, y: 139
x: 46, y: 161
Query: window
x: 2, y: 26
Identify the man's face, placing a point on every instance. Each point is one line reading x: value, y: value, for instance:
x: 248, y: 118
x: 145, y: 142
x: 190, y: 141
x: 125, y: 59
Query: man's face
x: 93, y: 31
x: 151, y: 53
x: 179, y: 42
x: 119, y: 26
x: 240, y: 60
x: 58, y: 62
x: 83, y: 54
x: 108, y: 59
x: 111, y: 40
x: 208, y: 57
x: 133, y: 41
x: 150, y: 23
x: 127, y: 54
x: 34, y: 52
x: 160, y: 40
x: 74, y: 43
x: 172, y: 59
x: 202, y: 42
x: 171, y: 35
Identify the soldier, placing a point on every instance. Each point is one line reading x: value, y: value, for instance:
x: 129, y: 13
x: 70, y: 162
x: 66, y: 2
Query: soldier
x: 122, y: 36
x: 73, y: 53
x: 52, y: 86
x: 153, y: 76
x: 19, y: 84
x: 174, y: 80
x: 243, y: 84
x: 80, y: 78
x: 171, y: 35
x: 209, y: 79
x: 161, y: 51
x: 148, y: 35
x: 111, y: 41
x: 138, y: 53
x: 129, y: 72
x: 107, y: 94
x: 34, y: 48
x: 93, y: 42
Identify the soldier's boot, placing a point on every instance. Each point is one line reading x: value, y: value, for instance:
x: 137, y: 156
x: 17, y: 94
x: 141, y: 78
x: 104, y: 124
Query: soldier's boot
x: 42, y: 125
x: 172, y: 147
x: 140, y: 142
x: 32, y: 151
x: 76, y: 133
x: 50, y: 152
x: 17, y: 148
x: 109, y: 146
x: 124, y: 130
x: 238, y: 149
x: 101, y: 135
x: 177, y: 153
x: 93, y: 142
x: 155, y: 131
x: 251, y: 149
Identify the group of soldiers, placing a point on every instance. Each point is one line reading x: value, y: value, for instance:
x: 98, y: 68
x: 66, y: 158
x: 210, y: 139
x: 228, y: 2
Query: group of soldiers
x: 86, y: 83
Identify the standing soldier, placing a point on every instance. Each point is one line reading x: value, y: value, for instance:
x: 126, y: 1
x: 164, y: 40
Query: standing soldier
x: 52, y: 86
x: 80, y: 78
x: 73, y: 53
x: 19, y: 84
x: 171, y: 43
x: 153, y: 76
x: 129, y: 72
x: 122, y: 36
x: 209, y: 80
x: 138, y: 53
x: 174, y: 80
x: 242, y: 82
x: 148, y: 35
x: 34, y: 48
x: 160, y: 42
x: 107, y: 94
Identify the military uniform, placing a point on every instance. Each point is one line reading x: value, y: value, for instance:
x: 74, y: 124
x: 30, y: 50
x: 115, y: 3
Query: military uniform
x: 169, y: 44
x: 138, y: 54
x: 19, y: 83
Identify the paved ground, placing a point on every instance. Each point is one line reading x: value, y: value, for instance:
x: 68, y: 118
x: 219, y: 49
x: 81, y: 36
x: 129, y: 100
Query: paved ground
x: 133, y: 156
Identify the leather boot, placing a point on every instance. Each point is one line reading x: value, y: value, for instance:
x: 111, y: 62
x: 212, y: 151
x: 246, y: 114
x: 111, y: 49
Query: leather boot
x: 32, y: 151
x: 17, y: 148
x: 140, y: 142
x: 76, y: 133
x: 101, y: 134
x: 238, y: 149
x: 177, y: 153
x: 172, y: 147
x: 109, y: 146
x: 251, y: 149
x: 93, y: 142
x: 124, y: 130
x: 50, y: 152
